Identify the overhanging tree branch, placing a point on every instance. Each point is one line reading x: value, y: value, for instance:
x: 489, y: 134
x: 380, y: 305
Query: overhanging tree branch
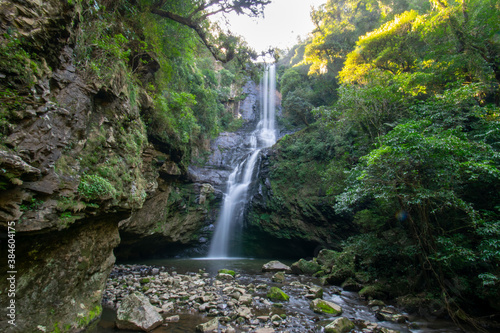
x: 196, y: 19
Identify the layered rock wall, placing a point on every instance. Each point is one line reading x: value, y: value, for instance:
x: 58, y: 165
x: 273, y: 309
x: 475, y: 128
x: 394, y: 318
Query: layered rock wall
x: 61, y: 131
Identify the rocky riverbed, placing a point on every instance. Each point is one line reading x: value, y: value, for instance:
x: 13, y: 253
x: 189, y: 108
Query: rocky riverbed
x: 273, y: 301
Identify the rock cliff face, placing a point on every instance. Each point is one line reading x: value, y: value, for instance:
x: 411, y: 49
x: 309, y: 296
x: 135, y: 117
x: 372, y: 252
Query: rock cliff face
x: 289, y: 212
x: 178, y: 219
x: 66, y: 216
x: 78, y: 173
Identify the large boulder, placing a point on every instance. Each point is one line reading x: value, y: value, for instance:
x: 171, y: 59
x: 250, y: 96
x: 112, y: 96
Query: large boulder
x: 390, y: 314
x: 321, y: 306
x: 340, y: 325
x: 327, y: 257
x: 209, y: 326
x: 276, y: 266
x: 303, y: 266
x: 136, y: 313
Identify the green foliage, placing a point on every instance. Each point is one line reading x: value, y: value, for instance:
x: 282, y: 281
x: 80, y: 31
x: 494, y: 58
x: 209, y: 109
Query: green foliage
x: 374, y: 108
x: 33, y: 204
x: 17, y: 62
x: 301, y: 93
x: 410, y: 141
x: 94, y: 187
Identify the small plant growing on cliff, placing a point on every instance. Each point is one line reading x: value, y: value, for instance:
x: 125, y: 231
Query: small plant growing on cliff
x: 94, y: 187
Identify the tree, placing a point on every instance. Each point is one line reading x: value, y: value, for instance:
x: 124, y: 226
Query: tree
x: 338, y: 24
x: 475, y: 25
x: 194, y: 14
x: 433, y: 176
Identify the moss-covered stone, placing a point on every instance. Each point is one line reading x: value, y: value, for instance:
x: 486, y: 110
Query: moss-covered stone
x: 227, y: 271
x: 321, y: 306
x: 277, y: 295
x: 279, y: 277
x: 327, y: 257
x: 340, y: 325
x: 373, y: 291
x: 351, y: 285
x: 305, y: 267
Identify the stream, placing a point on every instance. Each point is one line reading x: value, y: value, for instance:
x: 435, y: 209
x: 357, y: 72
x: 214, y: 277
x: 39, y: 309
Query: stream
x: 300, y: 318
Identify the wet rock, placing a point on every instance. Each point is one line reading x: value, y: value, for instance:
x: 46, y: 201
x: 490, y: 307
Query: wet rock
x: 340, y: 325
x: 390, y: 314
x: 305, y: 267
x: 244, y: 312
x: 227, y: 271
x: 224, y: 276
x: 172, y: 319
x: 208, y: 326
x: 245, y: 299
x: 276, y: 266
x: 276, y: 319
x: 372, y: 291
x: 321, y: 306
x: 351, y: 285
x: 279, y: 277
x: 277, y: 295
x: 315, y: 292
x: 376, y: 302
x: 137, y: 313
x: 265, y: 330
x: 327, y: 257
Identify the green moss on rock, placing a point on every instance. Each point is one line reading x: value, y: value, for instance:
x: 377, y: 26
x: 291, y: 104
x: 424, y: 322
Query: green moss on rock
x: 227, y: 271
x: 340, y: 325
x: 305, y: 267
x: 277, y: 295
x: 321, y: 306
x: 327, y: 257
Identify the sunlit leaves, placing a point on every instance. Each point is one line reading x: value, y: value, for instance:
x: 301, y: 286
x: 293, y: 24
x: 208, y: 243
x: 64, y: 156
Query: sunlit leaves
x: 392, y: 48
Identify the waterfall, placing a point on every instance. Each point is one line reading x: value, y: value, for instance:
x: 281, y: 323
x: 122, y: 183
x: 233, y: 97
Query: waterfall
x: 264, y: 135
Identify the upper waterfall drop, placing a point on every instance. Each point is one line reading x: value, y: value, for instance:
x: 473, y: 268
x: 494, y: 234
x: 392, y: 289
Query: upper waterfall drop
x: 231, y: 215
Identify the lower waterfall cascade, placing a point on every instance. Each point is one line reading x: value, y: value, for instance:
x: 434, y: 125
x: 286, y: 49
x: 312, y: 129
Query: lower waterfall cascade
x: 236, y: 195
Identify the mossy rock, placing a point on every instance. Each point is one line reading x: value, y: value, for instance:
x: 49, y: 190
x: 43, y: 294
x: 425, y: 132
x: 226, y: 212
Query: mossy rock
x: 319, y: 273
x: 279, y: 277
x: 227, y: 271
x: 305, y: 267
x: 327, y: 257
x: 145, y: 280
x: 351, y: 285
x: 337, y: 276
x: 340, y: 325
x: 277, y: 295
x: 373, y: 291
x: 321, y: 306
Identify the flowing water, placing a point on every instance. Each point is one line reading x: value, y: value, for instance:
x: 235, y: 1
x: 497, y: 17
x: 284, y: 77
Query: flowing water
x: 225, y: 241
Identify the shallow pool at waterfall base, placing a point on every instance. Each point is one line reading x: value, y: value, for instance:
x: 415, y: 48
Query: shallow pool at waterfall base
x: 299, y: 317
x: 209, y: 265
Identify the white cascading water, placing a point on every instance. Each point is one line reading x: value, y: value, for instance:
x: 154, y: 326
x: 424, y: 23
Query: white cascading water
x: 239, y: 180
